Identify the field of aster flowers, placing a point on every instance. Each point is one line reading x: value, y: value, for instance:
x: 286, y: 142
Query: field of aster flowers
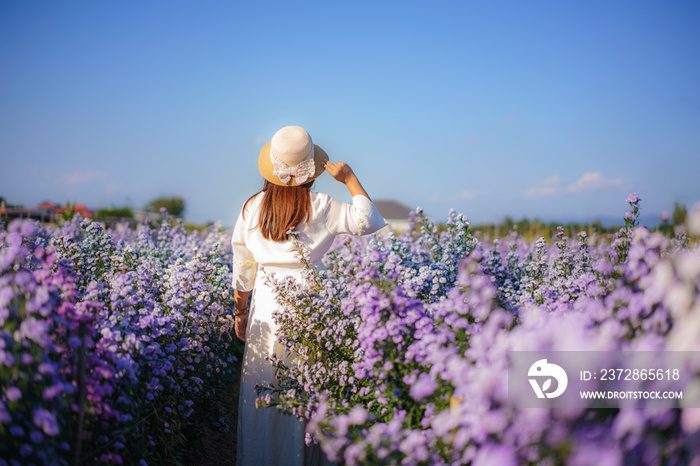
x: 115, y: 346
x: 403, y: 344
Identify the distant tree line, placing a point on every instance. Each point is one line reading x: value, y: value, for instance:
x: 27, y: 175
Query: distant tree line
x: 531, y: 230
x: 115, y: 212
x: 174, y: 206
x: 677, y: 220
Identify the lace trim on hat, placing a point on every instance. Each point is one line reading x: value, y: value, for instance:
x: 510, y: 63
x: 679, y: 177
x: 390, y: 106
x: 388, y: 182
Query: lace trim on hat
x: 301, y: 173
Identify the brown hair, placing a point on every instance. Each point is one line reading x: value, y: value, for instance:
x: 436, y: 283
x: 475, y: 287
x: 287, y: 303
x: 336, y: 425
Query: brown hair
x: 283, y: 208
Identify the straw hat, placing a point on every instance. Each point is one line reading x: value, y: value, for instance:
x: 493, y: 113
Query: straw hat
x: 291, y: 158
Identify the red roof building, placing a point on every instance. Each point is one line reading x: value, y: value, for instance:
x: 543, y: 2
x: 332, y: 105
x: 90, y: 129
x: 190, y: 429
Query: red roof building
x: 44, y: 212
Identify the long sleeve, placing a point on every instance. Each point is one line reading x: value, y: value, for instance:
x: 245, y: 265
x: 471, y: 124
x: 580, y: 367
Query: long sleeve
x: 244, y: 265
x: 359, y: 218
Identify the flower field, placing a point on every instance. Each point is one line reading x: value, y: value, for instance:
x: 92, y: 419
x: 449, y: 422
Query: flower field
x: 404, y: 341
x: 116, y: 345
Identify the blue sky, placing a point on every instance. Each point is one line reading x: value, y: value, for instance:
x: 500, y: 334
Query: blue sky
x: 549, y: 109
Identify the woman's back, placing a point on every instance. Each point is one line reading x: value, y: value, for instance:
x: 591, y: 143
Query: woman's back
x: 328, y: 218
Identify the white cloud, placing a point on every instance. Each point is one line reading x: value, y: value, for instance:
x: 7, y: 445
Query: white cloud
x: 554, y: 179
x: 541, y: 191
x: 467, y: 195
x: 82, y: 177
x: 593, y: 180
x: 546, y: 187
x: 552, y: 186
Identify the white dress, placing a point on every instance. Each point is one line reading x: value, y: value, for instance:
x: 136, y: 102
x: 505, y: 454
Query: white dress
x: 265, y: 436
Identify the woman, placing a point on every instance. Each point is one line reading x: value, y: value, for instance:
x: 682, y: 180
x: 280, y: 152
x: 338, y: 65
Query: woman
x: 261, y: 245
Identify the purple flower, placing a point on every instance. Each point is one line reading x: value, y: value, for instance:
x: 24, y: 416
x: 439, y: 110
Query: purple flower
x: 633, y: 198
x: 46, y: 421
x: 52, y: 392
x: 27, y: 358
x: 423, y: 387
x: 357, y: 415
x: 495, y: 454
x: 13, y: 393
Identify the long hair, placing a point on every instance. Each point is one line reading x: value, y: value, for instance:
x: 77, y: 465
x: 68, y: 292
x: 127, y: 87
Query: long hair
x: 283, y: 208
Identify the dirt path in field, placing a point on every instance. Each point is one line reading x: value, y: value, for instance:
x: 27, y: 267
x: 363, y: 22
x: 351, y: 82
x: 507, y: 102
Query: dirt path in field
x: 219, y: 448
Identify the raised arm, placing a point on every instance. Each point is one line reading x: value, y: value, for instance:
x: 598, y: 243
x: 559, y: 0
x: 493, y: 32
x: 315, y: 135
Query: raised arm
x: 342, y: 172
x: 359, y: 218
